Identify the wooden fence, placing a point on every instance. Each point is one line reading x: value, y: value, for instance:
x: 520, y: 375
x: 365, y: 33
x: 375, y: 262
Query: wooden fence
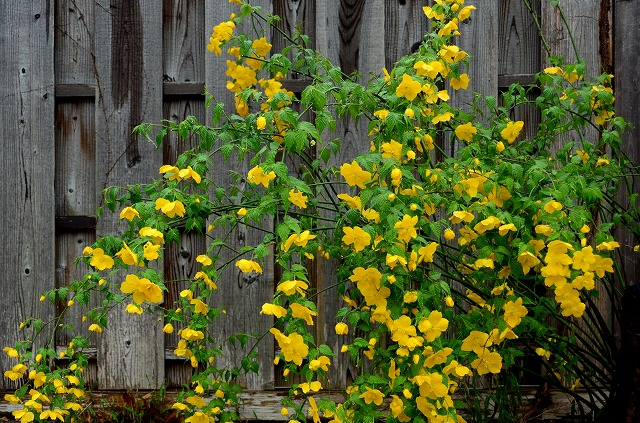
x: 78, y: 75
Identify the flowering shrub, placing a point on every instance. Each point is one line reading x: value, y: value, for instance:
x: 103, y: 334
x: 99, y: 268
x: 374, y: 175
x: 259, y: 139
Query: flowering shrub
x: 449, y: 266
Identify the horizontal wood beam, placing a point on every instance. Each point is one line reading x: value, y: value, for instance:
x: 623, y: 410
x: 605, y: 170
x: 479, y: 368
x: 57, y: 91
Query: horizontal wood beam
x: 75, y: 90
x: 75, y: 223
x: 92, y: 353
x: 181, y: 89
x: 266, y: 405
x: 295, y: 85
x: 525, y: 79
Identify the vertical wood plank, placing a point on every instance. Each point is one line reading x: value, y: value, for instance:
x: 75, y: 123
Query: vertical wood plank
x: 405, y: 24
x: 627, y: 87
x: 242, y: 301
x: 519, y: 53
x: 296, y: 15
x: 184, y: 39
x: 75, y: 159
x: 130, y: 351
x: 75, y: 195
x: 357, y: 48
x: 479, y: 39
x: 183, y: 61
x: 27, y: 137
x: 74, y: 26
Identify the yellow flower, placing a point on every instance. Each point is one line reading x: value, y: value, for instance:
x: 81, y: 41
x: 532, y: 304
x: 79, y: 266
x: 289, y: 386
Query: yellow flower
x: 204, y: 260
x: 461, y: 216
x: 154, y: 234
x: 170, y: 208
x: 499, y: 146
x: 11, y: 352
x: 23, y: 415
x: 293, y: 286
x: 100, y: 260
x: 449, y: 234
x: 514, y: 312
x: 273, y: 310
x: 408, y: 88
x: 406, y: 228
x: 322, y: 362
x: 443, y: 117
x: 261, y: 122
x: 545, y: 230
x: 354, y: 175
x: 381, y: 114
x: 466, y: 132
x: 298, y: 198
x: 372, y: 396
x: 425, y: 253
x: 95, y: 328
x: 410, y: 297
x: 129, y: 213
x: 512, y: 130
x: 353, y: 202
x: 391, y: 149
x: 504, y: 229
x: 527, y: 260
x: 293, y: 346
x: 248, y: 266
x: 433, y: 326
x: 191, y: 335
x: 299, y: 311
x: 133, y: 309
x: 552, y: 206
x: 141, y: 289
x: 607, y: 246
x: 168, y: 328
x: 151, y: 251
x: 476, y: 341
x: 257, y: 176
x: 342, y: 328
x: 300, y: 240
x: 487, y: 362
x: 127, y: 256
x: 356, y: 236
x: 465, y: 13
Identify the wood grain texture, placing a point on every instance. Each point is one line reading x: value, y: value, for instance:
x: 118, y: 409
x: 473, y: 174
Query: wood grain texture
x: 183, y: 60
x: 627, y: 91
x: 27, y: 137
x: 518, y: 41
x: 296, y: 15
x: 75, y: 157
x: 74, y: 40
x: 358, y: 48
x: 129, y: 92
x: 405, y: 24
x: 184, y: 40
x: 519, y: 56
x: 242, y: 301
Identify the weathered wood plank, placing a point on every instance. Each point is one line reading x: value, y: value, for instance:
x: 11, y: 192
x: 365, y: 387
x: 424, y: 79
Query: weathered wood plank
x: 75, y: 158
x: 242, y: 301
x: 357, y: 49
x: 627, y: 87
x: 27, y: 137
x: 265, y: 406
x: 184, y: 39
x: 183, y: 60
x: 76, y: 201
x: 519, y: 56
x: 183, y: 89
x: 405, y: 25
x: 74, y: 40
x: 296, y: 15
x: 129, y: 92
